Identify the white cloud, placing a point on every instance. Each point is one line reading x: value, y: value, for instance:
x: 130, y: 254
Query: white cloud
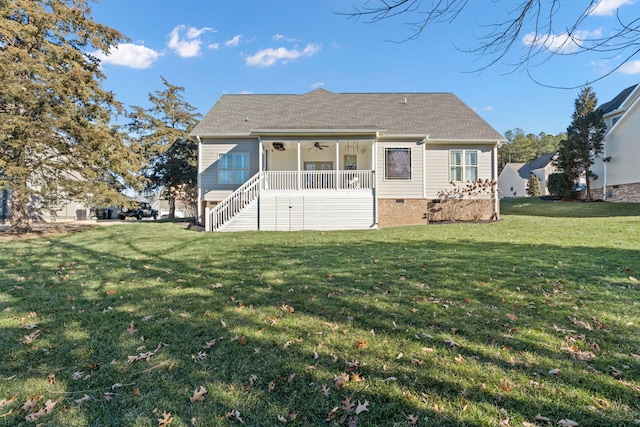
x: 608, y: 7
x: 129, y: 55
x: 214, y: 46
x: 631, y: 67
x: 233, y: 41
x: 278, y: 37
x: 487, y: 108
x: 317, y: 85
x: 269, y: 57
x: 187, y: 45
x: 562, y: 43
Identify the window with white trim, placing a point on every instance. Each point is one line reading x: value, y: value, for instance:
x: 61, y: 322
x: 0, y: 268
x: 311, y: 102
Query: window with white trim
x: 397, y: 163
x: 463, y: 165
x: 233, y: 168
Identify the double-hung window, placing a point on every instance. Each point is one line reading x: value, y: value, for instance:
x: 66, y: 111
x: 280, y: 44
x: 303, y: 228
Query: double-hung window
x: 464, y: 165
x: 233, y: 168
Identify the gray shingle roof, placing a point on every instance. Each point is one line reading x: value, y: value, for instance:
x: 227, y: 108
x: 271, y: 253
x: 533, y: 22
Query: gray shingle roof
x: 439, y: 115
x: 616, y: 102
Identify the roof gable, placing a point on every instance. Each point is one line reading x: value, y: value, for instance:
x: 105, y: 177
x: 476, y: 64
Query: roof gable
x: 439, y: 115
x: 616, y: 102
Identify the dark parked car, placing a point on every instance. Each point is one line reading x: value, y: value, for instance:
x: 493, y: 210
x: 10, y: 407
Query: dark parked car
x: 144, y: 210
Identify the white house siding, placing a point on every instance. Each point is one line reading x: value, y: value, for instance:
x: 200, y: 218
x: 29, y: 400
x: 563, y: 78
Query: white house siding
x: 510, y: 182
x: 393, y: 188
x: 330, y: 210
x: 210, y: 150
x: 623, y: 147
x: 437, y: 165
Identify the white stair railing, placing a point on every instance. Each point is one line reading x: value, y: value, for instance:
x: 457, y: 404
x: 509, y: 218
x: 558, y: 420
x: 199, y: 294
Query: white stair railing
x: 224, y: 211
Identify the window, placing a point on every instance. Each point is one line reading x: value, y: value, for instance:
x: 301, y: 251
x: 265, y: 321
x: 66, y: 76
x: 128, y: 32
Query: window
x: 233, y: 168
x: 397, y: 162
x: 464, y: 165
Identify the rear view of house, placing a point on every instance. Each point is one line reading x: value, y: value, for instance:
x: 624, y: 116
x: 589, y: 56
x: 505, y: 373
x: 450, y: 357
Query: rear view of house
x: 327, y: 161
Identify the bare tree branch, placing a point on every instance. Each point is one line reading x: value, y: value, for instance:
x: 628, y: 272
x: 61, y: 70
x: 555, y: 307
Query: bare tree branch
x: 530, y: 22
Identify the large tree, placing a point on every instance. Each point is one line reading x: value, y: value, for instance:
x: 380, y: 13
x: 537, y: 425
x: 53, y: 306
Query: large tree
x: 537, y: 27
x: 584, y: 139
x: 56, y: 141
x: 171, y: 154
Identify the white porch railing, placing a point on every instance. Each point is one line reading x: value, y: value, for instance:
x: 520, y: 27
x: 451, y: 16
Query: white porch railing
x: 317, y: 180
x: 248, y: 192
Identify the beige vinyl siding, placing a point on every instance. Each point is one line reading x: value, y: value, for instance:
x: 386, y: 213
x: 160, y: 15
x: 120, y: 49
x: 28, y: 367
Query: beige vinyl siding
x: 438, y: 169
x: 207, y: 165
x: 400, y: 188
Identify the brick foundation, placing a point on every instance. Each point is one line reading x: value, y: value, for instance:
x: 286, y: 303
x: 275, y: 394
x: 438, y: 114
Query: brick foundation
x: 399, y: 212
x: 446, y: 210
x: 396, y: 212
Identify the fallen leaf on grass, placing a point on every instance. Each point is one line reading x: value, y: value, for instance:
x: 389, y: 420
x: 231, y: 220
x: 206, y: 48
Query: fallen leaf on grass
x: 325, y: 390
x: 166, y: 419
x: 84, y: 398
x: 341, y: 380
x: 131, y: 329
x: 6, y: 402
x: 282, y: 419
x: 451, y: 343
x: 28, y: 339
x: 198, y: 395
x: 272, y: 386
x: 234, y: 414
x: 347, y: 404
x: 361, y: 344
x: 362, y: 407
x: 568, y: 423
x: 413, y: 419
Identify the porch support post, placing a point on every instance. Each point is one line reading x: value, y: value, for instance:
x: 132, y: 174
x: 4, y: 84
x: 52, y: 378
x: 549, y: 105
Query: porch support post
x: 337, y: 164
x: 494, y: 178
x: 298, y: 186
x: 260, y: 160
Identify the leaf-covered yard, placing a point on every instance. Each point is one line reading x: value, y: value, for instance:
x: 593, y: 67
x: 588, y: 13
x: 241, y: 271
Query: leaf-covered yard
x: 529, y: 321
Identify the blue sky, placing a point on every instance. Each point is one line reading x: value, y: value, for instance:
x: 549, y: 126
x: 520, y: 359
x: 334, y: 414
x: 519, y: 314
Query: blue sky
x: 295, y: 46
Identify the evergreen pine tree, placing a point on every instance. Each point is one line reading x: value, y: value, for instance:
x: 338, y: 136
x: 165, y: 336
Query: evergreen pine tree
x: 56, y: 140
x: 534, y: 188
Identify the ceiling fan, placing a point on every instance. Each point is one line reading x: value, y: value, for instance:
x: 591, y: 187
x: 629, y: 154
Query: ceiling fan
x: 319, y: 146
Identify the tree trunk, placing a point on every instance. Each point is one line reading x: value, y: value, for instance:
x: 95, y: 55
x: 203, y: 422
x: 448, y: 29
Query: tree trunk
x: 588, y: 189
x: 19, y: 212
x: 172, y: 206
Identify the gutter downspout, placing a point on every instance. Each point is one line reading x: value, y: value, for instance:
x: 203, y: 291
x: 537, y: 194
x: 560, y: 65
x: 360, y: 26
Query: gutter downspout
x: 374, y: 160
x: 604, y: 172
x: 494, y: 178
x: 198, y: 182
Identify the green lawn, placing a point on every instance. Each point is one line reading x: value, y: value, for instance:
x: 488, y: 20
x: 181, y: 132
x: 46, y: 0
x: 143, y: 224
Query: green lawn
x: 534, y: 317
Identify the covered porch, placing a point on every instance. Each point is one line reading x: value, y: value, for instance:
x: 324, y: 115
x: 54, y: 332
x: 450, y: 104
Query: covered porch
x: 317, y: 162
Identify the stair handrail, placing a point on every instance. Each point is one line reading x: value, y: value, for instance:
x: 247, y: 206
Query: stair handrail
x: 224, y: 211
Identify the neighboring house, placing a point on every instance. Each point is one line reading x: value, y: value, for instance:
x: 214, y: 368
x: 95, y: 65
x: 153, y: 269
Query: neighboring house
x: 617, y: 167
x: 513, y: 179
x: 70, y: 211
x: 326, y: 160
